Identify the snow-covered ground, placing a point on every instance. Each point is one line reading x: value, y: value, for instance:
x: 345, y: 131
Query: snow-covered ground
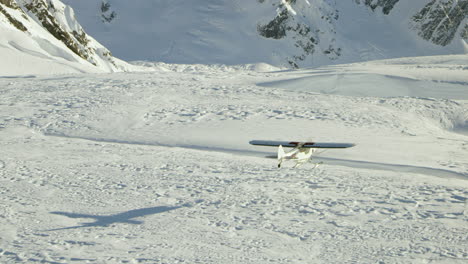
x: 156, y: 167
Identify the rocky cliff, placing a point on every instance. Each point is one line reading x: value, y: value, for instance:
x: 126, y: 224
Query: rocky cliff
x: 437, y: 22
x: 53, y: 27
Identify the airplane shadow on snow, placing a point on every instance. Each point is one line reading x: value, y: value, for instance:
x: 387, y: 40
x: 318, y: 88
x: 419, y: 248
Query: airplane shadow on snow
x: 127, y: 217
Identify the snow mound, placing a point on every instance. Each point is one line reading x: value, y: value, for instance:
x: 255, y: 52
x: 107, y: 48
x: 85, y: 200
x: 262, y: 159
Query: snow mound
x: 161, y: 66
x: 444, y: 77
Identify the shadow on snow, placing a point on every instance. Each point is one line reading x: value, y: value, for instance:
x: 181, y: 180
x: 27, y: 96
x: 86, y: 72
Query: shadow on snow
x: 124, y: 217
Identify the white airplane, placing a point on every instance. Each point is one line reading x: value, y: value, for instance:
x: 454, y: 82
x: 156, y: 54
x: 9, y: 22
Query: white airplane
x: 301, y: 152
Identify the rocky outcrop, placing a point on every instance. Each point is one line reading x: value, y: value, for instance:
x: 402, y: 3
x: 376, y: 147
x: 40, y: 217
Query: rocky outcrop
x: 305, y: 37
x: 9, y: 3
x: 296, y: 33
x: 386, y: 5
x: 45, y: 12
x: 107, y: 15
x: 59, y: 21
x: 276, y: 28
x: 464, y: 33
x: 439, y: 21
x: 12, y: 5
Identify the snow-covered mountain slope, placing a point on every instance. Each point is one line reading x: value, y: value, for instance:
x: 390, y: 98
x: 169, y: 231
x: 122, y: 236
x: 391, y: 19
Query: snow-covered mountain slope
x: 289, y: 33
x: 156, y: 167
x: 43, y: 37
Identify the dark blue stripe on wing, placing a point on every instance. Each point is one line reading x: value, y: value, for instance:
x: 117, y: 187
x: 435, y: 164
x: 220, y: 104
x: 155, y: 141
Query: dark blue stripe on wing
x: 292, y: 144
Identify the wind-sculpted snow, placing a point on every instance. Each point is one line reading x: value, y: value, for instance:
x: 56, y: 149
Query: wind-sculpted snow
x: 156, y: 167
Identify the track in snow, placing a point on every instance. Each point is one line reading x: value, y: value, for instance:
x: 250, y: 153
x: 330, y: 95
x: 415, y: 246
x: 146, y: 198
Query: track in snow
x: 332, y: 161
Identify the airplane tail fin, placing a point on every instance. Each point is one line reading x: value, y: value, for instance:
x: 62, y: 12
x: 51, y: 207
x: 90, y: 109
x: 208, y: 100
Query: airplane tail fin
x: 281, y: 155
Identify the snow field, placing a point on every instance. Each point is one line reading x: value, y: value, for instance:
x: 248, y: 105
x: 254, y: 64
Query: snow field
x: 156, y: 168
x: 216, y: 207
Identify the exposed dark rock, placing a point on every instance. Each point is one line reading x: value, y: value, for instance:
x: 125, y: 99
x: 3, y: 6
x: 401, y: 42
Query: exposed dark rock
x: 106, y: 14
x: 81, y: 37
x: 387, y: 5
x: 331, y: 50
x: 42, y: 10
x: 285, y: 25
x: 11, y: 4
x: 464, y: 33
x: 439, y: 21
x: 105, y: 6
x: 109, y: 18
x: 275, y: 29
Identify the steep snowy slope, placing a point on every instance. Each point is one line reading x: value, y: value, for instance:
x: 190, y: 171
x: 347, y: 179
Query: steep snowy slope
x: 280, y: 32
x: 156, y: 167
x: 43, y: 37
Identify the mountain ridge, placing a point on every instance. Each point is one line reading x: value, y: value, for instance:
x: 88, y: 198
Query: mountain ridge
x: 293, y: 33
x: 43, y: 36
x: 283, y: 33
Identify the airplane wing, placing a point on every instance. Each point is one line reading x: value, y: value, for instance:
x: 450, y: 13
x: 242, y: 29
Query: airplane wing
x: 293, y: 144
